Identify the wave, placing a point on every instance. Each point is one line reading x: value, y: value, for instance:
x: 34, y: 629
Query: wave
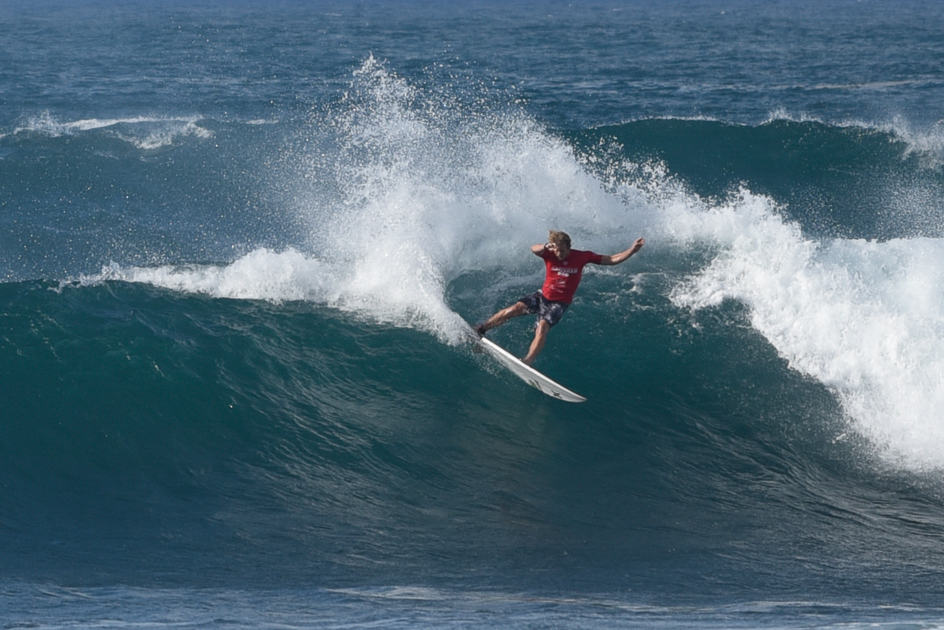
x: 861, y: 317
x: 927, y: 143
x: 417, y: 204
x: 287, y: 437
x: 312, y: 409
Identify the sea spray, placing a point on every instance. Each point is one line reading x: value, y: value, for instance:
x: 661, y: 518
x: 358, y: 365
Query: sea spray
x: 428, y: 189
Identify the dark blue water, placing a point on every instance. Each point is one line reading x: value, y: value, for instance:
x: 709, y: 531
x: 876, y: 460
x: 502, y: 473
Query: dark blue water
x: 239, y: 245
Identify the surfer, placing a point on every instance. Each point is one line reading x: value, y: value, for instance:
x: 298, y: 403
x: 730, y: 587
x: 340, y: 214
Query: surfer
x: 563, y: 270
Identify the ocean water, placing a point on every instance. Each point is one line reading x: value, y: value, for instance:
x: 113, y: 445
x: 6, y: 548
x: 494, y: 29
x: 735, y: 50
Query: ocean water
x: 240, y: 242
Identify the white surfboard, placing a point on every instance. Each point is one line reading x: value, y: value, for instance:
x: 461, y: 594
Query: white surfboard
x: 528, y: 374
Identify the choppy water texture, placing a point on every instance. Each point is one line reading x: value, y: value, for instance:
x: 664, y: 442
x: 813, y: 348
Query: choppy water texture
x: 239, y: 245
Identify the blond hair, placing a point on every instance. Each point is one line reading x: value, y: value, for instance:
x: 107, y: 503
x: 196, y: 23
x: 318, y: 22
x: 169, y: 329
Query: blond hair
x: 559, y: 238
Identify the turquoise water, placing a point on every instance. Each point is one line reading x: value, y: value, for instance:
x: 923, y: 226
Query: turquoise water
x: 240, y: 244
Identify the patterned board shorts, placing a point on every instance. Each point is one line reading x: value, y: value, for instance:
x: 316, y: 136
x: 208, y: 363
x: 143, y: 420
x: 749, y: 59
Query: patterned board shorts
x: 549, y: 311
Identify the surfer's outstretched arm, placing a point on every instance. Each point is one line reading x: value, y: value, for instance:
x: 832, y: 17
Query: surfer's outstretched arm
x: 616, y: 259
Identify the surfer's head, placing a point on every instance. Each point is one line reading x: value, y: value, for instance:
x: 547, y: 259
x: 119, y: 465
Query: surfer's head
x: 561, y: 243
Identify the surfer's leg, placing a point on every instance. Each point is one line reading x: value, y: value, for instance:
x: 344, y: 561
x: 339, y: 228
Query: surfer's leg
x: 537, y: 344
x: 502, y: 316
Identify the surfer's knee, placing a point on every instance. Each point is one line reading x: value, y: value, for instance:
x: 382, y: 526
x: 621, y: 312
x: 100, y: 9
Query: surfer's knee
x: 516, y: 309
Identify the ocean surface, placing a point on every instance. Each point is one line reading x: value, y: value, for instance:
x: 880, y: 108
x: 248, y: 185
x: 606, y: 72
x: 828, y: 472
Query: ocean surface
x: 240, y: 242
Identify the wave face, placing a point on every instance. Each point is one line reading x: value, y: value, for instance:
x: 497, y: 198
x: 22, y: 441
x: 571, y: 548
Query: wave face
x: 234, y: 346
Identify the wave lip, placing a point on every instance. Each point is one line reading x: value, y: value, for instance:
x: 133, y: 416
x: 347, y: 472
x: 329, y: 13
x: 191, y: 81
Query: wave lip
x: 926, y: 143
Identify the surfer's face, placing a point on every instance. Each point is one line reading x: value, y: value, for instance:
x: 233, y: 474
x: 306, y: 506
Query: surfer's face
x: 560, y: 251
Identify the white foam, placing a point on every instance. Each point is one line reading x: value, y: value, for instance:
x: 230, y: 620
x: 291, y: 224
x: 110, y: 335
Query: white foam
x: 865, y: 318
x: 259, y: 275
x: 289, y: 275
x: 144, y: 132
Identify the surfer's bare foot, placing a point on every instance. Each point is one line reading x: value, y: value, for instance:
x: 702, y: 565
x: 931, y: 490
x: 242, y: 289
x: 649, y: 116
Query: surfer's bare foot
x: 480, y: 330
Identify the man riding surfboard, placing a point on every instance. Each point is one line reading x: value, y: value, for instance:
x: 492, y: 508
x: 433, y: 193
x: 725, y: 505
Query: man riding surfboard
x: 563, y: 271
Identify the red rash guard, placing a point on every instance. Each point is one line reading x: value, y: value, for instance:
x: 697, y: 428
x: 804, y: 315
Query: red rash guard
x: 561, y: 278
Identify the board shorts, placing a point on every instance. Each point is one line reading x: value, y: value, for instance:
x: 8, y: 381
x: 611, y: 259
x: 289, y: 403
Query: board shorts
x: 549, y: 311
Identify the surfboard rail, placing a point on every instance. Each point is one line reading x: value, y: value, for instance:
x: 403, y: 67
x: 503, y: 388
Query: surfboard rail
x: 529, y: 375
